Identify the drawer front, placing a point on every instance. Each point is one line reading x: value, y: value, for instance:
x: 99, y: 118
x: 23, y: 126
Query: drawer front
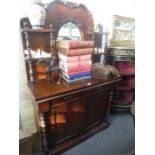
x: 98, y: 89
x: 67, y: 99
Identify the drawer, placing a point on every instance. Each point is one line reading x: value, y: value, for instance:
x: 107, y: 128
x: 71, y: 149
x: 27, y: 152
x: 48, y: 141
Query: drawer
x: 45, y: 106
x: 98, y: 89
x: 68, y: 98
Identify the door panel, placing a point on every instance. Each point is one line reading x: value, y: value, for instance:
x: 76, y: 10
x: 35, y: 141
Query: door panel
x: 66, y: 119
x: 96, y: 107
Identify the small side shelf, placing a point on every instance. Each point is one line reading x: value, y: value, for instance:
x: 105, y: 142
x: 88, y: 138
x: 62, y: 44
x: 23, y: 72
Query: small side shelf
x: 37, y: 40
x: 36, y: 59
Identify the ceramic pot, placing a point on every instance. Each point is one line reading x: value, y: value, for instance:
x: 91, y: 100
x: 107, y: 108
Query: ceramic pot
x: 36, y: 14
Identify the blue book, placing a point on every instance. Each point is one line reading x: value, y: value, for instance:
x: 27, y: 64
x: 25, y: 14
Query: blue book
x: 77, y: 79
x: 79, y: 75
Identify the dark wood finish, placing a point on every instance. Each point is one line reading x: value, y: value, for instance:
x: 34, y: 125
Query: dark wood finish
x: 65, y: 114
x: 58, y: 13
x: 69, y: 113
x: 29, y: 66
x: 96, y: 111
x: 36, y: 39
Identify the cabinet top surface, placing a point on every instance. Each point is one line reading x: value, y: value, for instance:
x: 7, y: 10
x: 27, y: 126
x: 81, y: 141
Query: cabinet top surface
x: 44, y: 90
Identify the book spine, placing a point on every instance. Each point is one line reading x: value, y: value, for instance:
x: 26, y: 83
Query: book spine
x: 85, y: 57
x: 75, y: 70
x: 77, y: 78
x: 69, y: 65
x: 76, y: 52
x: 74, y: 65
x: 68, y: 59
x: 78, y: 75
x: 73, y: 80
x: 74, y: 58
x: 85, y: 63
x: 71, y: 44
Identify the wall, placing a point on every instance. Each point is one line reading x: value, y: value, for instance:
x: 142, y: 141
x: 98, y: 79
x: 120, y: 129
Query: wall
x: 102, y: 13
x: 26, y: 113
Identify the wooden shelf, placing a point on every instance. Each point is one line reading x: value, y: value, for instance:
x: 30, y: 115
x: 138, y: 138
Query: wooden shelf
x: 38, y: 30
x: 36, y: 59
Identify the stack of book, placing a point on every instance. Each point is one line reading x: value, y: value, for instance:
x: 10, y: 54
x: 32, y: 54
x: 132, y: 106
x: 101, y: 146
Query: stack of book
x: 75, y: 59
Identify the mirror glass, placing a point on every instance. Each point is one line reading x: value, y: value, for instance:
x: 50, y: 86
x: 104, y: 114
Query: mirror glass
x: 69, y: 31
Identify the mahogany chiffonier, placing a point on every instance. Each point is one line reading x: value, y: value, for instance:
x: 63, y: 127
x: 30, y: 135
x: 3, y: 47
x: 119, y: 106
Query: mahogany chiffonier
x: 66, y: 113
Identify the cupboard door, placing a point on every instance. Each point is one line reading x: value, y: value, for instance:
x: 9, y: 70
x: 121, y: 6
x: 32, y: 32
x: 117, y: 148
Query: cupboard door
x: 66, y: 119
x: 96, y: 105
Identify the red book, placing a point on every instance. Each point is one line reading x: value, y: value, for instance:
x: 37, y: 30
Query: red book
x: 76, y: 64
x: 74, y: 58
x: 68, y: 59
x: 75, y: 52
x: 75, y: 70
x: 69, y: 65
x: 66, y: 73
x: 85, y: 57
x: 85, y: 63
x: 72, y: 44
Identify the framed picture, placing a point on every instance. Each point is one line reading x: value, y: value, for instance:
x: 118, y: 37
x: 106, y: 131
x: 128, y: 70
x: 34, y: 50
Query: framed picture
x: 123, y: 31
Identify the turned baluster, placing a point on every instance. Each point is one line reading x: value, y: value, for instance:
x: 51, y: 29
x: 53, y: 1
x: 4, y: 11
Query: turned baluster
x: 43, y: 130
x: 52, y: 49
x: 29, y: 57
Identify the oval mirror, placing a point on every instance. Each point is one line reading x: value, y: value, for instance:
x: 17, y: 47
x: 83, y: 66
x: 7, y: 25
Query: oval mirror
x: 69, y: 31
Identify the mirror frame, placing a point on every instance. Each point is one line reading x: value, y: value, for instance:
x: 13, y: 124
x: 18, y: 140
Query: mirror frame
x: 61, y: 12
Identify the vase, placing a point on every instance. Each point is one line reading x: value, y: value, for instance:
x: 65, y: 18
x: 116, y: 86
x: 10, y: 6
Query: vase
x: 36, y: 14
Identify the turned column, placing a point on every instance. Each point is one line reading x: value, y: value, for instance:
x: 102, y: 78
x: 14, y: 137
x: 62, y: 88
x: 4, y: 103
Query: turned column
x: 53, y: 53
x: 43, y: 131
x: 29, y: 57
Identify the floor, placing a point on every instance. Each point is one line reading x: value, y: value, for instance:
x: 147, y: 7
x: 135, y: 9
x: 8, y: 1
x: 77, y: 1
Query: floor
x: 117, y: 139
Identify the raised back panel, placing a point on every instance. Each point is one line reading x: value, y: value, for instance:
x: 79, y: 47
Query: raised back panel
x: 59, y: 13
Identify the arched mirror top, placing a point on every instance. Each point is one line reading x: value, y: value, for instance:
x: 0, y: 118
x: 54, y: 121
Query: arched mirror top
x: 69, y: 31
x: 60, y: 12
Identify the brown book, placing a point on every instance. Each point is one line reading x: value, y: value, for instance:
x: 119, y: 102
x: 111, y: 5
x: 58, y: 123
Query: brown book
x: 75, y: 52
x: 72, y: 44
